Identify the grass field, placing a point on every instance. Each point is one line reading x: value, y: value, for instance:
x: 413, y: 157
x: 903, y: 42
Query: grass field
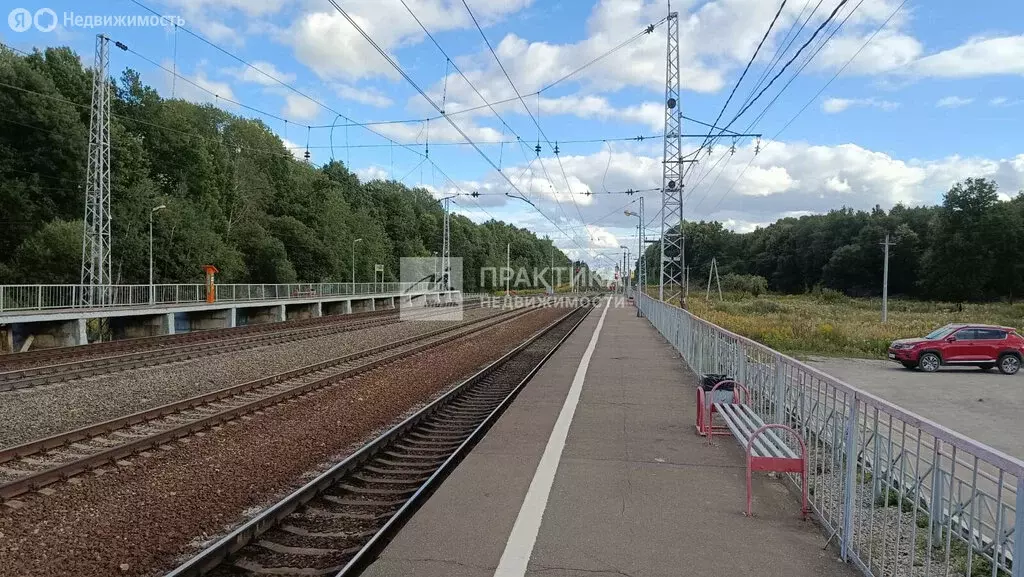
x: 832, y: 324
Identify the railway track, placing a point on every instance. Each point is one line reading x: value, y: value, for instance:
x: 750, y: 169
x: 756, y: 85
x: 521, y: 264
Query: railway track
x: 335, y: 524
x: 10, y: 361
x: 34, y: 465
x: 157, y: 355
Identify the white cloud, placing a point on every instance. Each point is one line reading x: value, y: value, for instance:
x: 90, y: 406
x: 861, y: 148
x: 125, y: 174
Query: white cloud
x: 836, y: 105
x: 601, y: 237
x: 976, y: 57
x: 953, y: 102
x: 195, y: 87
x: 330, y: 46
x: 437, y: 131
x: 363, y: 95
x: 1002, y: 101
x: 785, y: 179
x: 297, y: 151
x: 247, y: 74
x: 209, y: 16
x: 372, y: 173
x: 297, y: 107
x: 888, y: 51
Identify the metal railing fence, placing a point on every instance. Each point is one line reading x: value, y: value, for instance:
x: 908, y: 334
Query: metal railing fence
x: 43, y: 297
x: 903, y: 495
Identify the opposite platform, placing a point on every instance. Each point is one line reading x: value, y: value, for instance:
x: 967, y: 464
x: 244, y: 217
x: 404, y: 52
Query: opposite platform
x: 635, y: 491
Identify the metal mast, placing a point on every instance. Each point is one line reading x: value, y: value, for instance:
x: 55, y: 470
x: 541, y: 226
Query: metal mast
x: 446, y: 256
x: 641, y: 267
x: 96, y: 234
x: 670, y: 286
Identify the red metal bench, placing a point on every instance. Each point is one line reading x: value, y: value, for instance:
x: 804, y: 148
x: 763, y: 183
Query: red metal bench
x: 766, y: 450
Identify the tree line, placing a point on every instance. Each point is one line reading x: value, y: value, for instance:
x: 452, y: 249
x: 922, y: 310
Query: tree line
x: 235, y: 197
x: 969, y: 248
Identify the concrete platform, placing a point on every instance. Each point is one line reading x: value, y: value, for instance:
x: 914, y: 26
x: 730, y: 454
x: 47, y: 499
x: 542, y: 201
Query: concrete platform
x: 635, y: 492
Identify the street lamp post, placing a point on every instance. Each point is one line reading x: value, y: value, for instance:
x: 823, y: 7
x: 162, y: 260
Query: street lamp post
x: 625, y: 270
x: 152, y: 211
x: 641, y: 268
x: 354, y: 264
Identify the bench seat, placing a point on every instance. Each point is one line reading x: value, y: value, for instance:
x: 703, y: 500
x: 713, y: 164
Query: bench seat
x: 764, y: 443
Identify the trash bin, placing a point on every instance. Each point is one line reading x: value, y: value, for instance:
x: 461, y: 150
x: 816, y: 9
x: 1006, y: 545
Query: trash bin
x: 723, y: 394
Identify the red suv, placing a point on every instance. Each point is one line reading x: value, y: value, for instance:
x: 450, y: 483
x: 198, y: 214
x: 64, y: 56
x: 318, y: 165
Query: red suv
x: 984, y: 346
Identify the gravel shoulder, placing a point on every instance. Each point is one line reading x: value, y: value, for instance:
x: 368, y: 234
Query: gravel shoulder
x: 139, y: 518
x: 28, y: 414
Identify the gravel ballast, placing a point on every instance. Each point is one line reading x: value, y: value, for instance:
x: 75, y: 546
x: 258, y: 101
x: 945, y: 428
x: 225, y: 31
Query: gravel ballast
x: 29, y: 414
x: 141, y: 517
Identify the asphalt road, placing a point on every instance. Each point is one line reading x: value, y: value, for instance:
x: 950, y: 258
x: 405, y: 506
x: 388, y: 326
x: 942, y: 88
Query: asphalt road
x: 987, y: 406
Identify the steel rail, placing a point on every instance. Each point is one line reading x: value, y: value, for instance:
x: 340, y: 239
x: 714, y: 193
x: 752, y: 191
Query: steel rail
x: 49, y: 374
x: 272, y: 517
x: 38, y: 479
x: 10, y: 361
x: 15, y: 360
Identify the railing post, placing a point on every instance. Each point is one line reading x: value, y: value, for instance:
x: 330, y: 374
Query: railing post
x: 936, y: 521
x: 779, y: 390
x: 176, y: 299
x: 850, y: 442
x: 1018, y: 541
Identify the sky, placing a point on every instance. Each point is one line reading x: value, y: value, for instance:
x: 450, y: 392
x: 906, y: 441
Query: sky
x: 890, y: 102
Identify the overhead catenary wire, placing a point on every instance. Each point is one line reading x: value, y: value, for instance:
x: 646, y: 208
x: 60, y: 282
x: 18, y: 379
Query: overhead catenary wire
x: 434, y: 105
x: 746, y: 69
x: 789, y: 62
x: 536, y: 122
x: 816, y: 95
x: 195, y: 84
x: 783, y: 89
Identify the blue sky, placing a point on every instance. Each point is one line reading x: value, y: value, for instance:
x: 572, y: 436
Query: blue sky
x: 936, y: 96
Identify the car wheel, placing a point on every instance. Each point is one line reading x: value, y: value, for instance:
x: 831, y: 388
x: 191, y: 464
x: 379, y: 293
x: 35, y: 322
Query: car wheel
x: 1009, y: 364
x: 909, y: 365
x: 929, y: 362
x: 987, y: 366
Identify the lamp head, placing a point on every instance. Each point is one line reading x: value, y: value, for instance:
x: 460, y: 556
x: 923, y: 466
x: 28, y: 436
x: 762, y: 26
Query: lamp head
x: 156, y: 208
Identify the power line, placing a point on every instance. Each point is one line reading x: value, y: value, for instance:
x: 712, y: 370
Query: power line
x: 790, y: 61
x: 528, y: 112
x: 746, y: 68
x: 764, y: 111
x: 434, y: 105
x: 816, y: 95
x: 208, y: 91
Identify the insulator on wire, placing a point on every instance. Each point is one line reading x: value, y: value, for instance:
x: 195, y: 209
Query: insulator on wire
x: 732, y: 149
x: 710, y: 148
x: 757, y: 147
x: 536, y: 149
x: 475, y: 194
x: 556, y: 148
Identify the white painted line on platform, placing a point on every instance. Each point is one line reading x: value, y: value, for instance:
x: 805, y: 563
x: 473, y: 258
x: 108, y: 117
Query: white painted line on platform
x: 519, y: 546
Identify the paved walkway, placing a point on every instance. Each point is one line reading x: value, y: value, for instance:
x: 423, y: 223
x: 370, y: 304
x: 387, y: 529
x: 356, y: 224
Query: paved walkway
x: 633, y: 491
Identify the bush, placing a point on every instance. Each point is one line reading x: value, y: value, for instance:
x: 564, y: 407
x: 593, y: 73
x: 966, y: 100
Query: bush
x: 827, y: 295
x: 745, y: 283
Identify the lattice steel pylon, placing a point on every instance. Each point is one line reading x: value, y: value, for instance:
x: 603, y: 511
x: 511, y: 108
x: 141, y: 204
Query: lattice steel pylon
x: 671, y: 285
x: 446, y: 247
x: 96, y: 234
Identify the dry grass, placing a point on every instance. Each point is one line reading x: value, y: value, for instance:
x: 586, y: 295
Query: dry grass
x: 832, y: 324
